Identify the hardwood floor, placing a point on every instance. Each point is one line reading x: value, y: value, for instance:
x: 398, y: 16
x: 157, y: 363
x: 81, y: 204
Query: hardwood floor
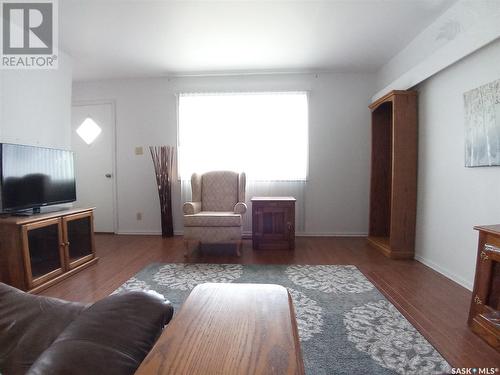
x: 435, y: 305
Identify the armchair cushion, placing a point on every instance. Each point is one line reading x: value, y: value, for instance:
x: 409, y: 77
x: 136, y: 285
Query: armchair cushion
x: 213, y: 219
x: 219, y: 191
x: 240, y: 208
x: 191, y: 208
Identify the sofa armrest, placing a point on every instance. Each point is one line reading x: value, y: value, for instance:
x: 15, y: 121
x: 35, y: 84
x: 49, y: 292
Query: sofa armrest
x: 29, y: 324
x: 191, y: 208
x: 240, y: 208
x: 113, y: 337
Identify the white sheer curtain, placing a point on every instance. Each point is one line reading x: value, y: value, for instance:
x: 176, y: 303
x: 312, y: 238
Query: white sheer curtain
x: 264, y: 134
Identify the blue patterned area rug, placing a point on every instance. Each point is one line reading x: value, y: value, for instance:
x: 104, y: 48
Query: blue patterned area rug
x: 346, y: 326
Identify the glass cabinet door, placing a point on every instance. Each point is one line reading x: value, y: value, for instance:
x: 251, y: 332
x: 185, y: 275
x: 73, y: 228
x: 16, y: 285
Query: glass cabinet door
x: 79, y: 238
x: 43, y: 252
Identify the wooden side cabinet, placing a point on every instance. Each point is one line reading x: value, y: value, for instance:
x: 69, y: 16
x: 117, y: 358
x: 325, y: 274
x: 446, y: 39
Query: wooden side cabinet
x: 38, y: 251
x: 484, y: 313
x: 273, y: 223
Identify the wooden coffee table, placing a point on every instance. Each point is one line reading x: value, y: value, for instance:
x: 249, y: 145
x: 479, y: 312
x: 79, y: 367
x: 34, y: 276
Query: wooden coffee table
x: 229, y: 329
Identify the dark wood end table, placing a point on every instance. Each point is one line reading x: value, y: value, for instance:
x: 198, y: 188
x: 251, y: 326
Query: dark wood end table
x: 273, y: 223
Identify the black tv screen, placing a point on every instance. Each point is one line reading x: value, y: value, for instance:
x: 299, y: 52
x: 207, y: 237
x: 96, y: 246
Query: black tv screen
x: 32, y: 177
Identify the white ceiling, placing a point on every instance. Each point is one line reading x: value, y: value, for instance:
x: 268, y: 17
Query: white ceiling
x: 132, y: 38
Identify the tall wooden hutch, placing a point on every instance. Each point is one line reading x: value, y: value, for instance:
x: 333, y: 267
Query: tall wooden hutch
x: 393, y: 189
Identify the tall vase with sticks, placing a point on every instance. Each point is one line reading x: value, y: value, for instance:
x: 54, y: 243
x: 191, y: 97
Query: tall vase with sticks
x: 164, y: 165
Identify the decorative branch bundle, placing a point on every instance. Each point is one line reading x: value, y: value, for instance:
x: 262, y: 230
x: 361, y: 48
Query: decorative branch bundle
x: 164, y: 164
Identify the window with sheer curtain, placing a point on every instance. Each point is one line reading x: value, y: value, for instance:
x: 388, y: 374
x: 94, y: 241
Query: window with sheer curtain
x: 264, y: 134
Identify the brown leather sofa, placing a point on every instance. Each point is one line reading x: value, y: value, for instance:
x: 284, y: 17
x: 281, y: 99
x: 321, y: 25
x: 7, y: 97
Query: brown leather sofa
x: 41, y: 335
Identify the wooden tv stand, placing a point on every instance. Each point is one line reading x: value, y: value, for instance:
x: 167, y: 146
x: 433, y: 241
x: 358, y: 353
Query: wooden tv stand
x: 40, y: 250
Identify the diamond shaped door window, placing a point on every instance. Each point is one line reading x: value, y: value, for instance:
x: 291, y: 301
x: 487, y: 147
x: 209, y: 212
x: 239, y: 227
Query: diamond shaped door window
x: 89, y: 130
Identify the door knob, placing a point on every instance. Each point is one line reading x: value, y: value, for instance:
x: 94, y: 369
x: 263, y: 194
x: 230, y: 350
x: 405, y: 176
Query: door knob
x: 108, y: 175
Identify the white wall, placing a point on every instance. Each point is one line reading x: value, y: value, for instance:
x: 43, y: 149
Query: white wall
x: 452, y: 198
x: 462, y: 29
x: 336, y: 199
x: 35, y: 105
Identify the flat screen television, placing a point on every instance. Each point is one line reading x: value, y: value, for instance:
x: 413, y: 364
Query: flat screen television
x: 32, y: 177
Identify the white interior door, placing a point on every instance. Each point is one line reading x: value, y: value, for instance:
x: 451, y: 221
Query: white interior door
x: 94, y: 163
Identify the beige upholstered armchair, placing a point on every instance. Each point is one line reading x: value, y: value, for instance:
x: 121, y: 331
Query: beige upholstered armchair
x: 218, y: 203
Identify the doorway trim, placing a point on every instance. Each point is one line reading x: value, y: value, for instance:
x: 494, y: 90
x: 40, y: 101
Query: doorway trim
x: 112, y: 103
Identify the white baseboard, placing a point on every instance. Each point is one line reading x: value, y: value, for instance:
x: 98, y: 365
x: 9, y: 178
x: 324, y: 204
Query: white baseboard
x: 248, y: 235
x: 331, y: 234
x: 450, y: 275
x: 146, y: 232
x: 319, y: 234
x: 140, y: 232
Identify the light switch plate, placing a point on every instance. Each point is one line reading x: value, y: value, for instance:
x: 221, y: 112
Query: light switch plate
x: 139, y: 150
